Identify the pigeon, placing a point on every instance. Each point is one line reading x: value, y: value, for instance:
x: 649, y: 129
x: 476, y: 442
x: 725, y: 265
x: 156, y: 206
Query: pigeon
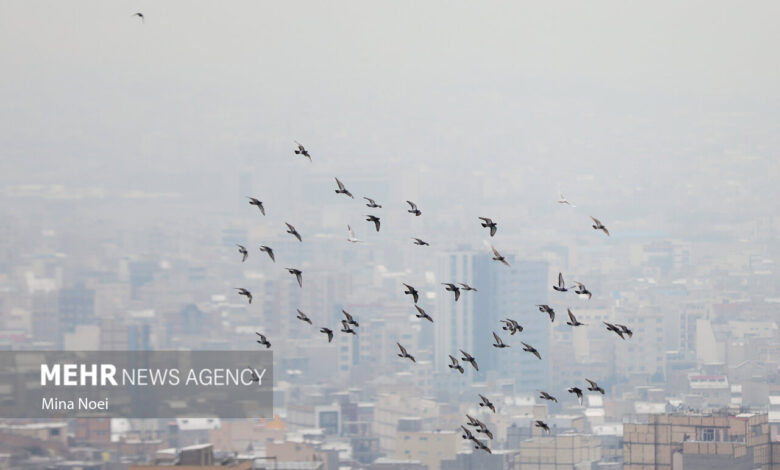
x: 487, y: 403
x: 466, y: 433
x: 404, y: 354
x: 303, y: 317
x: 572, y: 319
x: 577, y: 391
x: 419, y: 242
x: 484, y: 430
x: 328, y: 332
x: 594, y: 387
x: 412, y: 291
x: 597, y: 225
x: 531, y: 349
x: 342, y: 189
x: 626, y: 331
x: 499, y: 344
x: 455, y: 364
x: 469, y: 358
x: 452, y: 288
x: 302, y: 151
x: 487, y: 222
x: 242, y: 250
x: 255, y: 377
x: 351, y: 238
x: 140, y: 15
x: 258, y: 203
x: 346, y: 328
x: 291, y: 230
x: 618, y: 331
x: 473, y: 421
x: 242, y: 291
x: 582, y: 290
x: 421, y: 314
x: 269, y: 251
x: 349, y: 318
x: 561, y: 287
x: 542, y: 425
x: 497, y: 256
x: 374, y: 219
x: 371, y: 203
x: 466, y: 287
x: 263, y: 340
x: 511, y: 326
x: 414, y: 210
x: 480, y: 445
x: 546, y: 396
x: 298, y: 275
x: 563, y: 200
x: 544, y: 308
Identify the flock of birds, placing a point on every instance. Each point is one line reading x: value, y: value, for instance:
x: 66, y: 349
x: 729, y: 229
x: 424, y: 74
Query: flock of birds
x: 349, y: 325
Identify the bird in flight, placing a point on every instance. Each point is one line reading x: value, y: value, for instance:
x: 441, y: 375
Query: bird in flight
x: 258, y: 203
x: 303, y: 317
x: 594, y: 387
x: 563, y: 200
x: 488, y: 223
x: 346, y: 328
x: 412, y: 291
x: 302, y: 151
x: 414, y: 210
x: 452, y: 288
x: 626, y: 331
x: 466, y: 287
x: 349, y: 319
x: 582, y: 290
x: 455, y: 364
x: 291, y: 230
x: 466, y: 433
x: 298, y: 275
x: 487, y: 403
x: 469, y: 358
x: 597, y: 225
x: 242, y: 291
x: 242, y: 250
x: 561, y: 287
x: 544, y: 308
x: 263, y: 340
x: 484, y: 430
x: 421, y: 314
x: 374, y: 219
x: 255, y: 377
x: 499, y: 344
x: 351, y: 238
x: 497, y: 256
x: 328, y: 332
x: 140, y: 15
x: 342, y: 189
x: 419, y: 242
x: 403, y: 354
x: 577, y: 391
x: 269, y: 251
x: 531, y: 349
x: 511, y: 326
x: 573, y: 320
x: 546, y: 396
x: 371, y: 203
x: 614, y: 328
x: 480, y: 445
x: 542, y: 425
x: 473, y: 421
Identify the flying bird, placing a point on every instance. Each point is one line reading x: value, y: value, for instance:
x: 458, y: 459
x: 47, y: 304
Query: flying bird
x: 346, y: 328
x: 497, y: 256
x: 594, y: 387
x: 342, y: 189
x: 403, y: 354
x: 577, y: 391
x: 563, y: 200
x: 614, y: 328
x: 466, y: 287
x: 546, y: 396
x: 626, y: 331
x: 561, y: 287
x: 412, y: 291
x: 455, y: 364
x: 473, y: 421
x: 414, y: 210
x: 488, y: 223
x: 349, y: 318
x: 480, y: 445
x: 544, y: 308
x: 298, y: 275
x: 242, y: 250
x: 466, y: 433
x: 487, y: 403
x: 419, y: 242
x: 452, y: 288
x: 582, y: 290
x: 328, y: 332
x: 140, y: 15
x: 572, y: 319
x: 303, y: 317
x: 242, y: 291
x: 302, y: 151
x: 258, y: 203
x: 511, y: 326
x: 597, y: 225
x: 499, y: 344
x: 374, y: 219
x: 263, y: 340
x: 484, y: 430
x: 421, y: 314
x: 371, y: 203
x: 269, y: 251
x: 531, y: 349
x: 255, y: 377
x: 542, y: 425
x: 351, y: 238
x: 291, y: 230
x: 469, y: 358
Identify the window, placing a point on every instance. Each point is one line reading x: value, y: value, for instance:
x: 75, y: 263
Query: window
x: 708, y: 434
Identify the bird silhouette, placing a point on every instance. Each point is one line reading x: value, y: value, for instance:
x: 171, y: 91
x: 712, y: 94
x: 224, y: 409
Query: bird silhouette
x: 597, y: 225
x: 531, y: 349
x: 455, y: 364
x: 452, y: 288
x: 561, y: 287
x: 269, y: 251
x: 342, y: 189
x: 298, y: 275
x: 242, y: 250
x: 404, y: 353
x: 263, y: 340
x: 291, y: 230
x: 419, y: 242
x: 302, y: 151
x: 499, y: 344
x: 244, y: 292
x: 498, y: 257
x: 371, y: 203
x: 414, y: 210
x: 374, y: 219
x: 412, y: 291
x: 488, y: 223
x: 421, y: 314
x: 258, y: 203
